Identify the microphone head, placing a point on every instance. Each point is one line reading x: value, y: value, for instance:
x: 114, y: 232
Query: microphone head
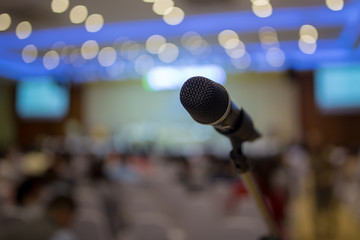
x: 205, y: 100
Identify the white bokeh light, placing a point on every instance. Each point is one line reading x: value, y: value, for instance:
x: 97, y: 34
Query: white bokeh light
x: 168, y: 52
x: 161, y: 6
x: 78, y: 14
x: 143, y: 64
x: 51, y: 60
x: 154, y: 43
x: 308, y: 33
x: 130, y: 49
x: 23, y: 30
x: 225, y: 36
x: 94, y: 23
x: 5, y: 21
x: 115, y: 70
x: 174, y: 16
x: 275, y: 57
x: 307, y: 48
x: 268, y: 37
x: 59, y: 6
x: 335, y: 5
x: 242, y: 63
x: 89, y: 49
x: 262, y: 8
x: 29, y: 53
x: 107, y: 56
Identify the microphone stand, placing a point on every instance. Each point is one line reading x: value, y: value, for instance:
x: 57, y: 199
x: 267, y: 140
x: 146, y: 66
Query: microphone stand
x: 247, y: 132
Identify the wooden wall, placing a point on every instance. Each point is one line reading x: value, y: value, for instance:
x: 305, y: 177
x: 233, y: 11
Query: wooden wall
x: 28, y: 131
x: 340, y: 128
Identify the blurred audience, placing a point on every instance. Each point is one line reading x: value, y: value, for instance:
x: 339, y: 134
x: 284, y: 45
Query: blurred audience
x: 49, y: 192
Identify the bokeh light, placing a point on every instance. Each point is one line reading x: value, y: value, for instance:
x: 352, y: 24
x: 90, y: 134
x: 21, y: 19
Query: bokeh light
x: 144, y: 63
x: 78, y: 14
x: 94, y: 23
x: 262, y: 8
x: 268, y: 37
x: 107, y: 56
x: 191, y: 40
x: 307, y: 48
x: 89, y: 49
x: 275, y: 57
x: 308, y: 33
x: 130, y: 49
x: 194, y: 43
x: 59, y: 6
x: 174, y: 16
x: 160, y: 6
x: 225, y: 36
x: 168, y: 52
x: 154, y: 42
x: 23, y: 30
x: 5, y: 21
x: 243, y: 62
x: 335, y: 5
x: 51, y: 60
x: 237, y: 52
x: 29, y: 53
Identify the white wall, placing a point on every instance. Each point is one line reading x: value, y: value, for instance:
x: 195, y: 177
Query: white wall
x: 270, y: 99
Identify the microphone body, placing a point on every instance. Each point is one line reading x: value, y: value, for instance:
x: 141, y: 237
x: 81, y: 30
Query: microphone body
x: 209, y: 103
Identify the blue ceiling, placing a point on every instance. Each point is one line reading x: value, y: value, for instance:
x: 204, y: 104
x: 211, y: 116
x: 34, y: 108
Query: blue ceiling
x: 337, y: 49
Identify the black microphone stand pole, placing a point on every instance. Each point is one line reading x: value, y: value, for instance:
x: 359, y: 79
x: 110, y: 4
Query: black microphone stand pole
x: 248, y: 133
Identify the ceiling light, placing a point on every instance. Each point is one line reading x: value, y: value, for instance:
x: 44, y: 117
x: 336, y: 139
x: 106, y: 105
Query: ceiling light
x: 306, y: 32
x: 243, y: 62
x: 107, y: 56
x: 225, y: 36
x: 174, y: 16
x: 335, y: 5
x: 191, y: 40
x: 94, y: 23
x: 51, y: 60
x: 275, y: 57
x: 23, y: 30
x: 268, y: 36
x: 143, y: 64
x: 59, y: 6
x: 307, y: 48
x: 168, y: 52
x: 89, y: 49
x: 237, y: 52
x: 262, y: 8
x: 160, y: 6
x: 78, y: 14
x: 29, y: 53
x: 154, y: 42
x: 130, y: 49
x: 5, y: 21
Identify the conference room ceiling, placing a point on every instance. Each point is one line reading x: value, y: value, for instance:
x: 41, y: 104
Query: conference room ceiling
x: 39, y: 13
x: 129, y: 24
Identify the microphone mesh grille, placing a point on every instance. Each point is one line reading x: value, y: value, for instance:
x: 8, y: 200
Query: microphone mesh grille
x: 205, y: 100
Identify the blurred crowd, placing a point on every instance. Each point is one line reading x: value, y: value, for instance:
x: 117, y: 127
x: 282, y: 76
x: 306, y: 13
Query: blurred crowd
x: 57, y: 192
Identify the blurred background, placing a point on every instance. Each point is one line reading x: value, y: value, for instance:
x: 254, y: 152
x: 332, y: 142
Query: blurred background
x: 95, y: 145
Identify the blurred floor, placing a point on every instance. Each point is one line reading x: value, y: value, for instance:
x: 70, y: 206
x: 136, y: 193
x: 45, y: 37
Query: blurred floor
x: 160, y: 208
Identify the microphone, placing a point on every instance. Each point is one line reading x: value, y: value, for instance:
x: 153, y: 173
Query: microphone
x: 209, y: 103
